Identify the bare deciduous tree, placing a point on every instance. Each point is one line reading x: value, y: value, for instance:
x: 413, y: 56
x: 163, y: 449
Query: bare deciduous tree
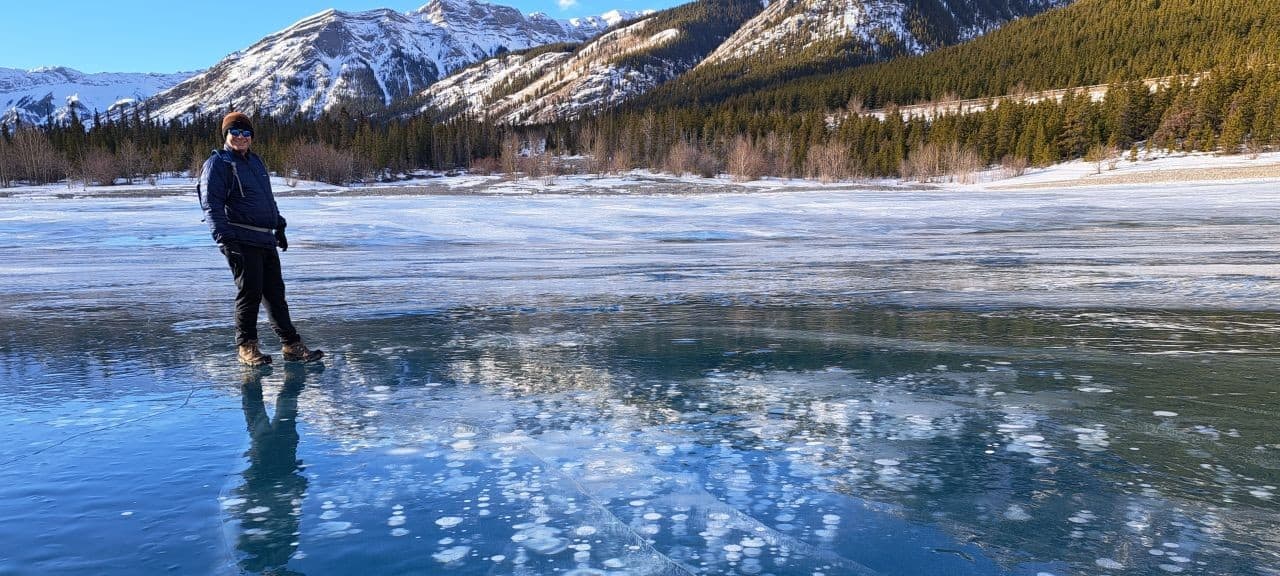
x: 1014, y: 165
x: 1099, y: 155
x: 98, y: 166
x: 828, y: 163
x: 35, y: 160
x: 929, y: 162
x: 746, y: 160
x: 486, y: 165
x: 509, y: 155
x: 682, y: 159
x: 778, y: 151
x: 6, y: 164
x: 320, y: 162
x: 620, y: 161
x: 132, y: 162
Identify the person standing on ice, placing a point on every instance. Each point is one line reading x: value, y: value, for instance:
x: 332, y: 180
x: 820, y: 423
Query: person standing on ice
x: 248, y: 227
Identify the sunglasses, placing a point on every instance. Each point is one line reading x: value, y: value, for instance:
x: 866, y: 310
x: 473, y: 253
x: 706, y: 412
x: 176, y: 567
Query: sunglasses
x: 239, y: 132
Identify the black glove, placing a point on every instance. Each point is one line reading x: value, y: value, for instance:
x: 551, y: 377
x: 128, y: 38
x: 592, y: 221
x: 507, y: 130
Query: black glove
x: 281, y: 241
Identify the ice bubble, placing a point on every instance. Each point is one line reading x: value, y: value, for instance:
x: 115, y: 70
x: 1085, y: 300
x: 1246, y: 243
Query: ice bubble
x: 127, y: 513
x: 497, y: 558
x: 330, y: 515
x: 785, y: 517
x: 464, y: 434
x: 396, y: 521
x: 732, y: 548
x: 1016, y: 513
x: 585, y: 572
x: 399, y: 532
x: 451, y: 555
x: 1261, y: 494
x: 753, y: 542
x: 830, y: 519
x: 1108, y: 564
x: 547, y: 546
x: 229, y: 502
x: 1039, y: 460
x: 1094, y: 389
x: 720, y: 516
x: 1164, y: 413
x: 333, y: 527
x: 585, y: 530
x: 653, y: 516
x: 463, y: 445
x: 679, y: 517
x: 1171, y: 568
x: 448, y: 521
x: 1028, y: 438
x: 887, y: 462
x: 403, y: 451
x: 614, y: 563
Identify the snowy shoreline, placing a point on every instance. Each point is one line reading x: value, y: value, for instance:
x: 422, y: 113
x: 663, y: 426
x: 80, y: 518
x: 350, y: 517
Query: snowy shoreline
x: 1179, y: 169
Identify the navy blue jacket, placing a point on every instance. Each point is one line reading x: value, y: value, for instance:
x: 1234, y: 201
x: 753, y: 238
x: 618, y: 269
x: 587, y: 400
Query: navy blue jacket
x: 236, y: 194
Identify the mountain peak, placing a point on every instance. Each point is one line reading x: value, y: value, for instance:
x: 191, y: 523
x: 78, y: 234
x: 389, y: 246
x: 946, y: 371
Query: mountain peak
x: 363, y: 60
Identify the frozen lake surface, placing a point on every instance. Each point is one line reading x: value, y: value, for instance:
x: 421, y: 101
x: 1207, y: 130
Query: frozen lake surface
x: 834, y: 382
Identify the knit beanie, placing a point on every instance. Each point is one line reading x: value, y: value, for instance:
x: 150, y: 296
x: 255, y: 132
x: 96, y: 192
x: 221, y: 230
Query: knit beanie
x: 236, y: 120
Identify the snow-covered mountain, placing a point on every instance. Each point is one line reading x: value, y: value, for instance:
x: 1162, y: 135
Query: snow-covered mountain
x: 34, y: 96
x: 520, y: 89
x: 366, y: 60
x: 547, y: 85
x: 620, y: 65
x: 876, y: 28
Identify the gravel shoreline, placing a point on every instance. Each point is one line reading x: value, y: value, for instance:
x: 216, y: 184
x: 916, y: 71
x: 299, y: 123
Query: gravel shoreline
x: 1156, y: 176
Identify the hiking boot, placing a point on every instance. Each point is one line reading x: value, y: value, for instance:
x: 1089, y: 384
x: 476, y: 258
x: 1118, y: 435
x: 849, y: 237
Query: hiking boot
x: 298, y: 352
x: 250, y: 355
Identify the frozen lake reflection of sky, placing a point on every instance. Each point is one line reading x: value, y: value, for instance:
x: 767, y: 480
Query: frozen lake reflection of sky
x: 805, y: 383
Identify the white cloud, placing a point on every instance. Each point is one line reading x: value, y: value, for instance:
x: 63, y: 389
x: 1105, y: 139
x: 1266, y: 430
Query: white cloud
x: 567, y: 4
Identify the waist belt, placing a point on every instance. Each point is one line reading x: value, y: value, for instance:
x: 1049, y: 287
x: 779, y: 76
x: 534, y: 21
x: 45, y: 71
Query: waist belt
x: 254, y: 228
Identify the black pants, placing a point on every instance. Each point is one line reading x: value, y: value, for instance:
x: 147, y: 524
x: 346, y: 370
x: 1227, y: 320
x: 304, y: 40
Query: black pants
x: 257, y: 274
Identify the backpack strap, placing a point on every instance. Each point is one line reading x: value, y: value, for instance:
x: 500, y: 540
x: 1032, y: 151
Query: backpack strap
x: 231, y: 164
x: 231, y: 169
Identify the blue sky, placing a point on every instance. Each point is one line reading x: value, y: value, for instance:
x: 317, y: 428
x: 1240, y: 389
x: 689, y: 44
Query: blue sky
x: 182, y: 35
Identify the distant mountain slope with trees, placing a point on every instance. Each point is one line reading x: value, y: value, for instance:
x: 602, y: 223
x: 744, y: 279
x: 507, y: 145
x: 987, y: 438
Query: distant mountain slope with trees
x: 1087, y: 42
x: 904, y: 28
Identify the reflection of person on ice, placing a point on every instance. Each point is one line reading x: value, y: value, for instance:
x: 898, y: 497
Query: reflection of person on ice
x: 247, y: 225
x: 273, y: 484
